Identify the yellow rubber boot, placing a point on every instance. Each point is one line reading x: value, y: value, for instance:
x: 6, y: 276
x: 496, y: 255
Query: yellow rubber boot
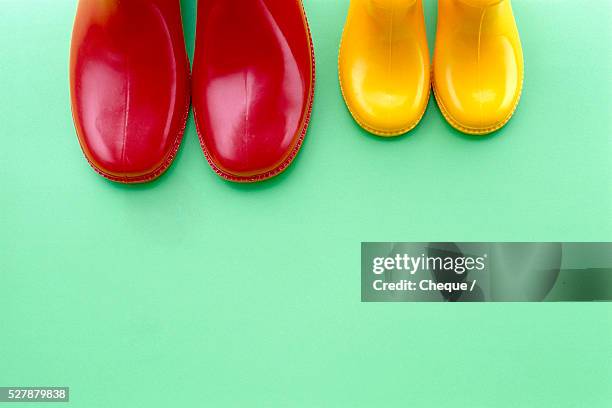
x: 478, y: 64
x: 384, y: 65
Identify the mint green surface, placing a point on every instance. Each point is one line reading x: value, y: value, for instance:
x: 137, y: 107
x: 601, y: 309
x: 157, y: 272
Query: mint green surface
x: 191, y: 291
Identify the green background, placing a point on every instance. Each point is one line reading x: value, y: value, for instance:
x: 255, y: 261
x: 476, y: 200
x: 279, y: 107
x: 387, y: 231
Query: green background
x: 191, y: 291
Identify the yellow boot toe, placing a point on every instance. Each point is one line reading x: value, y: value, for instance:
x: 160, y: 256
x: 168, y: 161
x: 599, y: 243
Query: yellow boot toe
x: 478, y: 64
x: 384, y: 65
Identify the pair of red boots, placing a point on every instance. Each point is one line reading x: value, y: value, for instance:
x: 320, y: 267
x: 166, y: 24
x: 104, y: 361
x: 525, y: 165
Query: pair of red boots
x: 252, y: 85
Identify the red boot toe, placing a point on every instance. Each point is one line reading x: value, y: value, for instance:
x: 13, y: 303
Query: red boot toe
x: 129, y: 77
x: 253, y: 85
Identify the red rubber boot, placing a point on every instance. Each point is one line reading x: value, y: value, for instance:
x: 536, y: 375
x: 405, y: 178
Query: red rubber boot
x: 129, y: 79
x: 253, y: 85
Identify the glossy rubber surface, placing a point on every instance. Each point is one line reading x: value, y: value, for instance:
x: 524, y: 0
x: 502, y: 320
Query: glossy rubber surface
x: 384, y: 65
x: 249, y: 296
x: 129, y: 76
x: 478, y: 64
x: 253, y: 85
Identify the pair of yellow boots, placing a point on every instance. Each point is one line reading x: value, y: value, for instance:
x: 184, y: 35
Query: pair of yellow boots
x: 385, y: 71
